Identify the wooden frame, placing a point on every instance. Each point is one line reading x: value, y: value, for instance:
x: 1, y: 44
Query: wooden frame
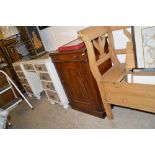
x: 113, y: 85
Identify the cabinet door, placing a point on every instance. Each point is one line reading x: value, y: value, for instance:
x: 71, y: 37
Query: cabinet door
x: 12, y: 52
x: 79, y: 85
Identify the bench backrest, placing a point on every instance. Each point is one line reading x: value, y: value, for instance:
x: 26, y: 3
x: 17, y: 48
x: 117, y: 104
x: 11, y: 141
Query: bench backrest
x: 94, y: 38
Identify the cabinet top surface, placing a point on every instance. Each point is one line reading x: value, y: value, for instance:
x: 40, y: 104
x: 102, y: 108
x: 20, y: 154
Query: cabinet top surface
x: 42, y: 59
x: 66, y: 52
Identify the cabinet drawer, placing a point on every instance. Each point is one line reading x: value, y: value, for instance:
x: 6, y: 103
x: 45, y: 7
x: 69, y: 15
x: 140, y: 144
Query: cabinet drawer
x: 44, y: 76
x: 80, y: 56
x: 48, y: 85
x: 53, y: 95
x: 28, y: 67
x: 24, y: 81
x: 28, y: 89
x: 41, y: 67
x: 17, y: 68
x: 21, y: 74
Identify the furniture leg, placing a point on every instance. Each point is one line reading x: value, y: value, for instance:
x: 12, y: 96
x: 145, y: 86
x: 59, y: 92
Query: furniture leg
x: 106, y: 103
x: 108, y: 110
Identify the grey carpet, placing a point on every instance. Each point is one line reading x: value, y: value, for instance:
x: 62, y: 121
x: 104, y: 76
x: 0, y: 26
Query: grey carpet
x: 48, y: 116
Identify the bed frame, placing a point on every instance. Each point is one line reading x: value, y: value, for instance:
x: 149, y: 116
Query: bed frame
x: 113, y: 85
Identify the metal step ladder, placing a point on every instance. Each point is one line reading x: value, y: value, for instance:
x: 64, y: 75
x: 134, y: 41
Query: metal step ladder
x: 14, y: 103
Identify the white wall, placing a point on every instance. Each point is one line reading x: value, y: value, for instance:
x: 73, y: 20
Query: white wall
x: 56, y: 36
x: 120, y: 41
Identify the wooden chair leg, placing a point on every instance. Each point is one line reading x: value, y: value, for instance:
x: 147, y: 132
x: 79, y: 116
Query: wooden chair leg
x: 105, y: 100
x: 108, y: 110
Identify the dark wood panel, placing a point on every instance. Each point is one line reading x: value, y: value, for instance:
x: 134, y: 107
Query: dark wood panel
x: 82, y: 93
x: 7, y: 96
x: 76, y: 86
x: 80, y: 86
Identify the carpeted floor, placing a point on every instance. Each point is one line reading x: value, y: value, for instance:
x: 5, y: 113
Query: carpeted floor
x: 48, y: 116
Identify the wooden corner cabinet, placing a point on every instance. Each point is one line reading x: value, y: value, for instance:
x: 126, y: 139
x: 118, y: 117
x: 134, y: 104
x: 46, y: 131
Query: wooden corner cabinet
x: 79, y: 84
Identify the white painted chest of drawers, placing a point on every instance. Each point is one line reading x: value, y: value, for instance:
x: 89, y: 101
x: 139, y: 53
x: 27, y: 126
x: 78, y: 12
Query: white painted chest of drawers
x: 39, y: 75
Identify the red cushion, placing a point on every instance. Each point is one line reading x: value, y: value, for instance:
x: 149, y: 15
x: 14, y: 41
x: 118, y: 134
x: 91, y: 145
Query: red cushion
x: 73, y: 45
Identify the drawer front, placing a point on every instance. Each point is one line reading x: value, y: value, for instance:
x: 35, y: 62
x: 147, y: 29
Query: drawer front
x: 28, y: 67
x: 80, y: 56
x: 44, y: 76
x: 17, y: 68
x: 21, y: 74
x: 53, y: 95
x: 28, y: 89
x: 41, y: 67
x: 24, y: 81
x: 48, y: 85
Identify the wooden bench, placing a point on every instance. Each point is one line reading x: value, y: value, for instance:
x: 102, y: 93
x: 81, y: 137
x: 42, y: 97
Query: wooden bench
x: 113, y: 85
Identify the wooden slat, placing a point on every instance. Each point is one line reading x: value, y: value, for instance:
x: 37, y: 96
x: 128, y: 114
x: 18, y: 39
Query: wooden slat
x: 92, y: 63
x: 127, y: 34
x: 93, y: 32
x: 100, y: 46
x: 101, y: 43
x: 102, y: 55
x: 134, y: 102
x: 115, y: 28
x: 120, y: 51
x: 103, y: 59
x: 111, y: 49
x: 96, y: 45
x: 115, y: 59
x: 132, y: 95
x: 111, y: 40
x: 132, y: 89
x: 114, y: 74
x: 143, y: 73
x: 130, y: 61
